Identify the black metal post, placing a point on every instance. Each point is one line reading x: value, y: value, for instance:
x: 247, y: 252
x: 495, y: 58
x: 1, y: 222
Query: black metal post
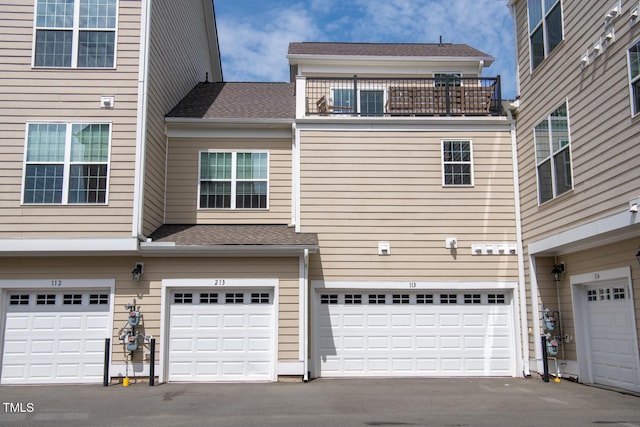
x: 107, y: 347
x: 152, y: 365
x: 355, y: 94
x: 447, y: 94
x: 499, y: 94
x: 545, y: 362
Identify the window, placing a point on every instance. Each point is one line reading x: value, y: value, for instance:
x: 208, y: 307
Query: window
x: 472, y: 299
x: 592, y: 295
x: 22, y: 299
x: 634, y: 73
x: 401, y: 299
x: 208, y: 298
x: 343, y: 101
x: 234, y: 298
x: 447, y: 79
x: 353, y: 299
x: 66, y: 163
x: 424, y: 299
x: 75, y: 33
x: 545, y: 28
x: 46, y: 299
x: 496, y: 299
x: 329, y: 299
x: 183, y: 298
x: 377, y: 299
x: 456, y: 163
x: 618, y: 293
x: 553, y: 155
x: 233, y: 180
x: 371, y: 101
x: 448, y: 299
x: 72, y: 299
x: 260, y: 298
x: 98, y: 299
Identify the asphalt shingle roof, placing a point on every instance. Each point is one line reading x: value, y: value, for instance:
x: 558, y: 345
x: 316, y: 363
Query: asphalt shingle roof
x: 387, y: 49
x: 238, y: 100
x: 216, y: 235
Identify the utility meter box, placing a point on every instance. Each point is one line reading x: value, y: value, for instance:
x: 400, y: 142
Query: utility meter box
x: 134, y: 317
x: 132, y: 342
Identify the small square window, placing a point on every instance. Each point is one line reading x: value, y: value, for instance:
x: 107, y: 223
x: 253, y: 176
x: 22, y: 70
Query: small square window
x: 19, y: 299
x: 46, y: 299
x: 208, y: 298
x: 424, y: 299
x: 472, y: 299
x: 234, y: 298
x: 260, y: 298
x: 353, y: 299
x: 401, y: 298
x: 605, y: 294
x: 592, y: 295
x: 98, y: 299
x: 72, y: 299
x: 183, y: 298
x: 448, y: 299
x: 619, y: 293
x: 377, y: 299
x: 496, y: 299
x: 329, y: 299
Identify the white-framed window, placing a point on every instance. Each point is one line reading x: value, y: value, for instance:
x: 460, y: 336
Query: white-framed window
x: 545, y: 28
x: 369, y: 102
x: 634, y: 76
x: 447, y: 79
x: 233, y: 180
x: 75, y: 33
x: 457, y: 163
x: 66, y: 163
x: 553, y: 155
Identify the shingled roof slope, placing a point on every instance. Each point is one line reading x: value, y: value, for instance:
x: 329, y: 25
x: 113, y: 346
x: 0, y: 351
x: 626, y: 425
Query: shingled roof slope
x: 237, y: 235
x: 387, y: 49
x: 238, y: 100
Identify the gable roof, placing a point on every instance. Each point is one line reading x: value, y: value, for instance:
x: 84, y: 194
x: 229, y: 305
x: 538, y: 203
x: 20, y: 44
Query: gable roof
x: 416, y: 50
x: 238, y: 100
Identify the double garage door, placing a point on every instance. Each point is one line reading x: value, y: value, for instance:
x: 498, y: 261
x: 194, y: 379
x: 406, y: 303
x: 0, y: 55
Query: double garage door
x: 221, y: 335
x: 55, y: 336
x: 390, y: 333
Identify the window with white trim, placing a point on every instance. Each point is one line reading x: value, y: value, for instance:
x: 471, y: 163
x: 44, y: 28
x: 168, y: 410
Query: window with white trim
x: 553, y: 155
x: 634, y: 75
x: 457, y: 165
x: 233, y: 180
x: 66, y: 163
x: 75, y: 33
x: 545, y: 28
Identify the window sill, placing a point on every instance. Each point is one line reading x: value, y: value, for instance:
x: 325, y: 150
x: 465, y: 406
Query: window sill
x: 556, y: 199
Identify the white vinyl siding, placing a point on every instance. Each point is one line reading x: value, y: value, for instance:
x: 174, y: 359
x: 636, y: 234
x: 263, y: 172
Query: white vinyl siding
x: 75, y: 33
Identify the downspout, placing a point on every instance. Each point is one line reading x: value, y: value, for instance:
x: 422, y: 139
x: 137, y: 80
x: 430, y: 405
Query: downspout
x: 524, y: 328
x: 141, y: 122
x: 305, y: 320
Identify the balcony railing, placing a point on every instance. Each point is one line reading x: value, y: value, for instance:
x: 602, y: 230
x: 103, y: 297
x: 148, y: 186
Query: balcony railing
x: 439, y: 96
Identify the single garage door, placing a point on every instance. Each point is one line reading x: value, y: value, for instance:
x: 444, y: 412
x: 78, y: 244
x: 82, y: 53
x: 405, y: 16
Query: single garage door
x: 55, y: 337
x: 612, y: 336
x: 221, y: 336
x: 414, y: 334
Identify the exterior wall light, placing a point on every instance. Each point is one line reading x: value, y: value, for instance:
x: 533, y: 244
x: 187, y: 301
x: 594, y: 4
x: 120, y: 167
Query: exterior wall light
x: 638, y: 257
x: 558, y: 269
x: 137, y: 271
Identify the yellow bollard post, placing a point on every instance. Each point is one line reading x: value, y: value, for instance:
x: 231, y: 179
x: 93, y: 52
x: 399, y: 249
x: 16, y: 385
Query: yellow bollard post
x: 125, y: 382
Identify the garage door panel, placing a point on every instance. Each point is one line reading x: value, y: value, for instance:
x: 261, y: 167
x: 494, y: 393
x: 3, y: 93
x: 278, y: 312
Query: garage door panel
x: 406, y: 339
x: 55, y: 342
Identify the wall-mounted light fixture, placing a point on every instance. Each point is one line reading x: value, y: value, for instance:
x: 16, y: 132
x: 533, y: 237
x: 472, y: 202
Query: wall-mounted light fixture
x: 137, y: 271
x: 558, y: 269
x: 638, y: 257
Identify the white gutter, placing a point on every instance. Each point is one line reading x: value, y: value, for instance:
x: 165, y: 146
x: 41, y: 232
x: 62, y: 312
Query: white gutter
x: 171, y: 249
x: 141, y: 121
x: 524, y: 327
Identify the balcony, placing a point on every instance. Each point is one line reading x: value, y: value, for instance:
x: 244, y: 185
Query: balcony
x: 397, y: 97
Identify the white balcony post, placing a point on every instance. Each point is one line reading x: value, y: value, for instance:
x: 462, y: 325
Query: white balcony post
x: 301, y: 96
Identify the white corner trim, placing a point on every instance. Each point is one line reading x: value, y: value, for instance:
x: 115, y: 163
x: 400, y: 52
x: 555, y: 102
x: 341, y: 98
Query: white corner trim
x: 40, y: 246
x: 290, y: 368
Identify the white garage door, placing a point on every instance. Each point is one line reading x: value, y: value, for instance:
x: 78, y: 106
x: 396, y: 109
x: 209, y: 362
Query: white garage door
x: 414, y: 334
x: 55, y: 337
x: 612, y: 336
x: 221, y: 336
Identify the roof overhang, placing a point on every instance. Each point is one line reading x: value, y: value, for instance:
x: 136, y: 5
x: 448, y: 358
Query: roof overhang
x: 176, y: 127
x: 159, y: 249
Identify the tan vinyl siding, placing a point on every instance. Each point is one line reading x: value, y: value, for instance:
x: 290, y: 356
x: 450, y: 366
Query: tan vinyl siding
x: 183, y: 182
x: 180, y: 57
x: 359, y: 188
x: 620, y: 254
x: 603, y: 135
x: 147, y: 292
x: 65, y: 95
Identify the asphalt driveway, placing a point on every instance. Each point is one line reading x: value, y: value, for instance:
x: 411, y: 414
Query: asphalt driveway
x: 350, y: 402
